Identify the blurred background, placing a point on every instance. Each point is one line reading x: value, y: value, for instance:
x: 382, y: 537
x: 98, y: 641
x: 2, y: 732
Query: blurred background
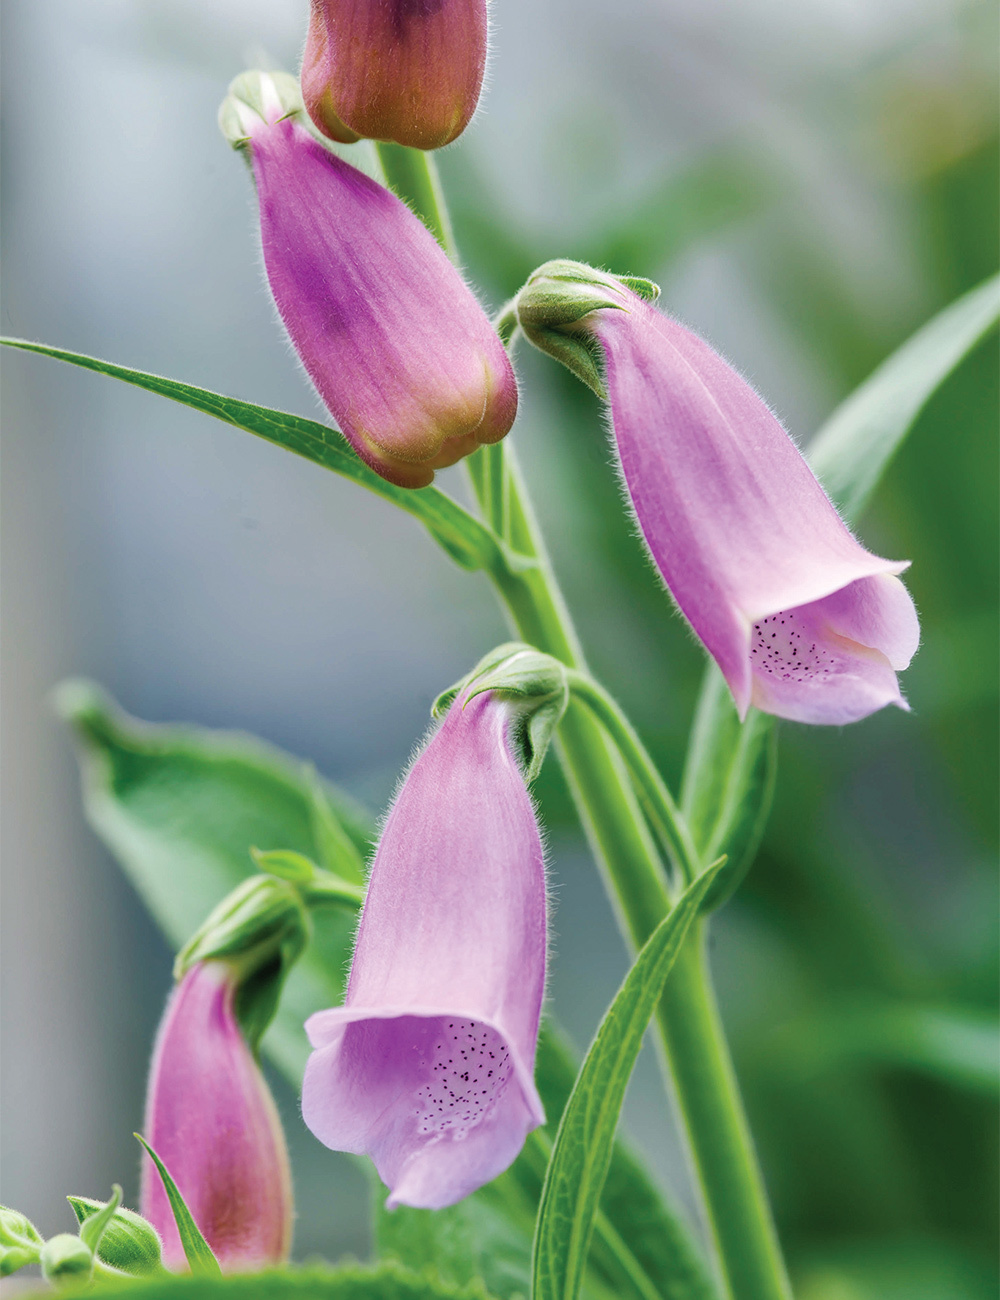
x: 808, y: 183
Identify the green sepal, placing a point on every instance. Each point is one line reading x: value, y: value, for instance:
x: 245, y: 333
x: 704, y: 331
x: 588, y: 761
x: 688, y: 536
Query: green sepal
x: 314, y: 885
x: 66, y: 1260
x: 249, y: 96
x: 534, y: 682
x: 93, y: 1227
x: 197, y: 1251
x: 262, y: 928
x: 20, y: 1241
x: 558, y: 296
x: 128, y: 1241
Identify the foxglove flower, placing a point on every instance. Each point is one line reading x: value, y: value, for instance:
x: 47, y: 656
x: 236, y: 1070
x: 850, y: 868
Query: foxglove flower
x: 394, y: 340
x: 802, y: 620
x: 428, y: 1065
x: 403, y: 70
x: 211, y: 1119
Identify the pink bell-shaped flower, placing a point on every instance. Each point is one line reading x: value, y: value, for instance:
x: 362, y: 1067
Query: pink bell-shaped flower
x: 212, y: 1121
x: 802, y: 620
x: 402, y: 70
x: 428, y: 1066
x: 394, y: 340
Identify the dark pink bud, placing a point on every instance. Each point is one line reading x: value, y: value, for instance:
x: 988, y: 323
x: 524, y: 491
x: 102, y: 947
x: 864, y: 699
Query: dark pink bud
x: 403, y: 70
x: 211, y: 1119
x: 394, y: 340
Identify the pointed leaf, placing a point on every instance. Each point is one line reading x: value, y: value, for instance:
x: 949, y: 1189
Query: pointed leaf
x: 197, y: 1251
x: 181, y: 807
x: 465, y: 539
x: 851, y: 451
x: 583, y: 1145
x: 728, y: 784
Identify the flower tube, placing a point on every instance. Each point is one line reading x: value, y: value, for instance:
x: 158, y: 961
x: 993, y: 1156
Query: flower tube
x: 428, y: 1065
x: 407, y: 70
x: 394, y: 340
x: 211, y: 1119
x: 802, y: 620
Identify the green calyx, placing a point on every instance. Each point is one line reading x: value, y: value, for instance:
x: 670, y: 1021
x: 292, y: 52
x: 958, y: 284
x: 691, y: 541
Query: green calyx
x: 260, y: 929
x: 20, y: 1241
x: 120, y: 1238
x: 535, y: 686
x: 66, y: 1259
x: 552, y: 308
x: 257, y: 97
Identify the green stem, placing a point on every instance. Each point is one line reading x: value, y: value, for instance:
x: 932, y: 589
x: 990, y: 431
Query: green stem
x: 708, y: 1095
x: 659, y: 804
x: 413, y: 175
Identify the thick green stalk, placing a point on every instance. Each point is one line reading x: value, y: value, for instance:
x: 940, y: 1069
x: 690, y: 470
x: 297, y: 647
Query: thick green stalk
x: 708, y: 1095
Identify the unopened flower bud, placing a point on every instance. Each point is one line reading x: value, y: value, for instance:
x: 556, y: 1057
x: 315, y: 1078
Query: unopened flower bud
x: 127, y: 1243
x: 20, y: 1241
x: 65, y: 1259
x: 409, y: 70
x: 212, y: 1120
x: 394, y: 340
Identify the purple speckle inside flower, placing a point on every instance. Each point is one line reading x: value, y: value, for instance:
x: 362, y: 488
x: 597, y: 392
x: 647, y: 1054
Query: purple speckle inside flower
x: 784, y: 646
x: 467, y: 1068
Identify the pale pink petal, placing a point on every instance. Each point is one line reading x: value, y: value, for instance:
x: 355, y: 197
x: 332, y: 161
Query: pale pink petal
x: 428, y: 1065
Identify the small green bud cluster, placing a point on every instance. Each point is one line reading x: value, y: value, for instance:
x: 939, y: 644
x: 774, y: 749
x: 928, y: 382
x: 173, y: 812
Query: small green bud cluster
x: 534, y: 683
x: 112, y: 1241
x: 552, y: 308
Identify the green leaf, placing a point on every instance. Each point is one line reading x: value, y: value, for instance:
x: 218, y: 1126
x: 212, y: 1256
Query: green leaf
x: 181, y: 807
x: 466, y: 540
x: 353, y: 1282
x: 851, y: 451
x: 728, y: 785
x: 959, y: 1046
x: 197, y: 1251
x: 128, y: 1242
x: 583, y: 1145
x: 640, y: 1243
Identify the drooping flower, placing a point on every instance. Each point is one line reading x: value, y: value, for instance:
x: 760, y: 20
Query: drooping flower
x: 802, y: 620
x: 402, y: 70
x: 428, y: 1065
x: 211, y: 1119
x: 394, y: 340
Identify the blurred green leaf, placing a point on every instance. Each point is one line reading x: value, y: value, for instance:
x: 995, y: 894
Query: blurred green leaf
x: 181, y: 807
x: 728, y: 783
x: 908, y: 1269
x: 386, y: 1282
x: 582, y: 1149
x: 197, y: 1251
x: 853, y: 448
x: 465, y: 539
x: 959, y: 1046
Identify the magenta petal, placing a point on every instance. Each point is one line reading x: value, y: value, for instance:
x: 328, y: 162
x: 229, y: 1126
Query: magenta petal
x: 394, y: 340
x: 742, y: 532
x: 211, y: 1120
x: 428, y: 1065
x: 404, y: 72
